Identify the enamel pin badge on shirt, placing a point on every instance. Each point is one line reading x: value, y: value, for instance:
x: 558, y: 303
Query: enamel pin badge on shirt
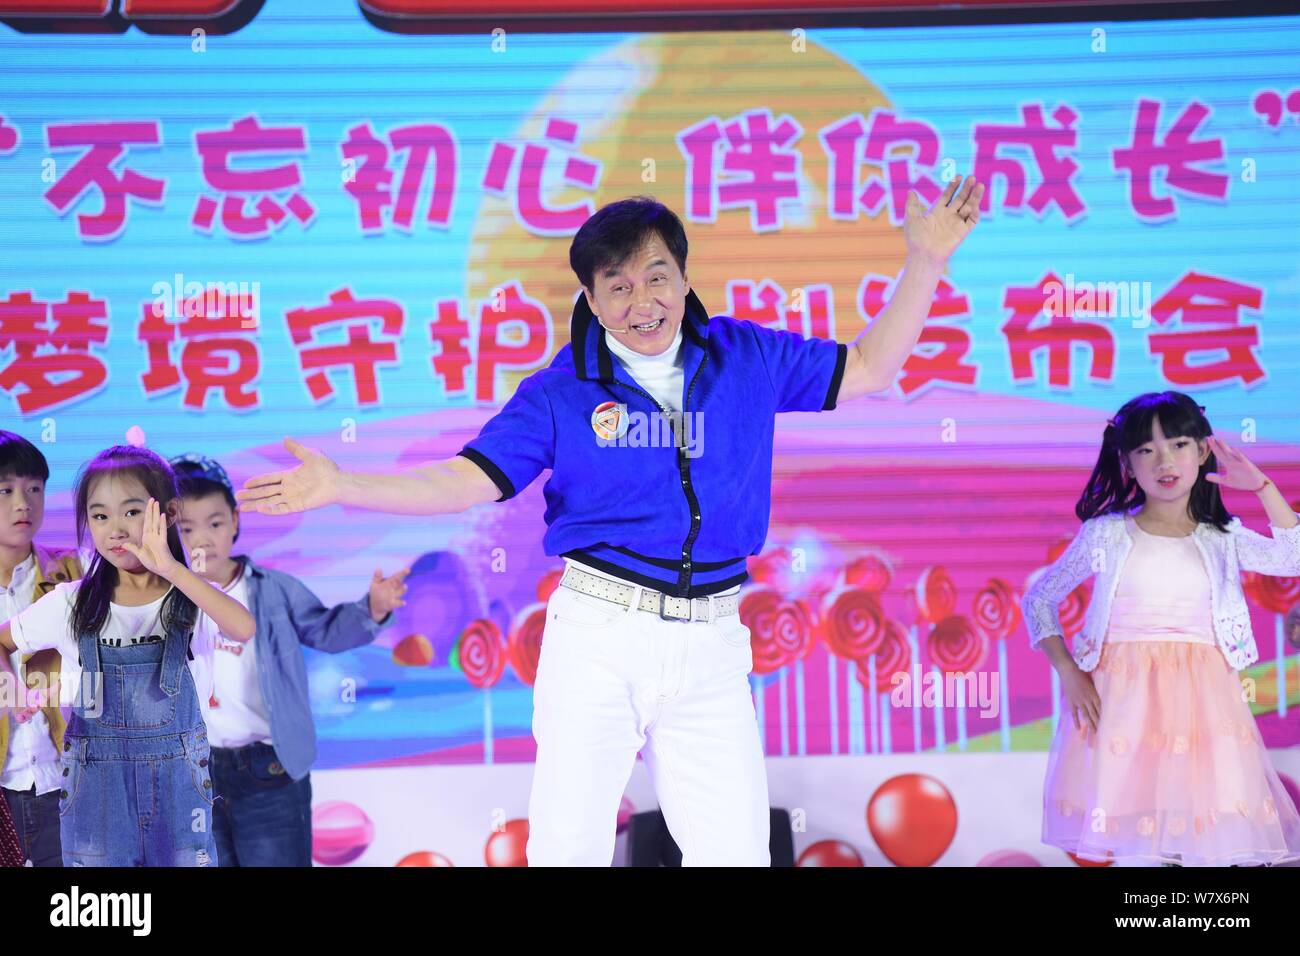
x: 609, y: 421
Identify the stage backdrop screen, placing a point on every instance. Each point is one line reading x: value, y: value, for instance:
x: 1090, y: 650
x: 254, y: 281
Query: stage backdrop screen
x: 316, y: 225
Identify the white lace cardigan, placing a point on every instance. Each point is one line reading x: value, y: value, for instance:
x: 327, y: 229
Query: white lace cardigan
x: 1102, y: 546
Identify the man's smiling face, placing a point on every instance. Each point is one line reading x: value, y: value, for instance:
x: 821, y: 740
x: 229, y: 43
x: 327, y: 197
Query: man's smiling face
x: 641, y: 302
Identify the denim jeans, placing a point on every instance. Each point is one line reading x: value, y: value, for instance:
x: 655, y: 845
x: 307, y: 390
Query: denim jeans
x: 136, y: 785
x: 612, y: 682
x: 263, y: 816
x: 36, y: 818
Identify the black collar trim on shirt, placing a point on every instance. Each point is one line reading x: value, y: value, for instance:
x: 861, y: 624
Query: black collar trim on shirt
x: 583, y: 326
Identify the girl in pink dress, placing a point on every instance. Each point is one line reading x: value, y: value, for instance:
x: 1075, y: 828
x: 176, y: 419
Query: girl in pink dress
x: 1161, y: 761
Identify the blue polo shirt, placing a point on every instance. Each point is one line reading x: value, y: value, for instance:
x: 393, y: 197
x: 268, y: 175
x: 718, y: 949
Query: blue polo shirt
x: 678, y: 510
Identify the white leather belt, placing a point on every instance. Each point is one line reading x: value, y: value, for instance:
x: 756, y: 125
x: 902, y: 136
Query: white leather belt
x: 654, y: 602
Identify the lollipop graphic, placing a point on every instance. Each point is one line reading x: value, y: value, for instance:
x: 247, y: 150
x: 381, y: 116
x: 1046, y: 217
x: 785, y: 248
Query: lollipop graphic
x: 780, y: 630
x: 936, y: 594
x: 525, y: 641
x: 876, y: 673
x: 781, y: 633
x: 871, y: 570
x: 892, y: 656
x: 934, y: 597
x: 956, y: 647
x: 1278, y: 596
x: 480, y: 653
x: 853, y: 627
x: 996, y: 612
x: 852, y: 622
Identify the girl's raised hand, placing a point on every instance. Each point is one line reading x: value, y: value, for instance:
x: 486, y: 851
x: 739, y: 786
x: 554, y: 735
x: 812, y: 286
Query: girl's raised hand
x: 152, y: 551
x: 1235, y: 469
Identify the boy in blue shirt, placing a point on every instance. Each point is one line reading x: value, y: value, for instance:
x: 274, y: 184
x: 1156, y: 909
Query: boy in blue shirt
x: 259, y: 719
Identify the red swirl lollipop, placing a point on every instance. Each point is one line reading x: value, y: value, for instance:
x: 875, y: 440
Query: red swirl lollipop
x: 812, y: 605
x: 794, y: 631
x: 852, y: 622
x: 780, y: 631
x: 480, y: 652
x: 956, y: 646
x: 1271, y: 593
x: 526, y: 641
x: 996, y: 610
x: 871, y: 571
x: 893, y: 656
x: 936, y: 594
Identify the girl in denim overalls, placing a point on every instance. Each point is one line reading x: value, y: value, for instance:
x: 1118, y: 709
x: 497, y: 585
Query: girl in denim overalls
x: 136, y: 636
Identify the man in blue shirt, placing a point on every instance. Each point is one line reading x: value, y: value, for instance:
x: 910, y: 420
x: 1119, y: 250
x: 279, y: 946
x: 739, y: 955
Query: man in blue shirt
x: 655, y: 515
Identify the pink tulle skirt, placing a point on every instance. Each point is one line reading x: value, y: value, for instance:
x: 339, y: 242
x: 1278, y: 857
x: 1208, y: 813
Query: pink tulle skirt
x: 1176, y: 771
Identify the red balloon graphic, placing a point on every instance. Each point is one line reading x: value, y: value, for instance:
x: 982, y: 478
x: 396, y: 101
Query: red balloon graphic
x: 912, y: 818
x: 1274, y: 594
x: 780, y: 631
x: 955, y: 646
x: 936, y: 595
x: 526, y: 641
x: 853, y: 624
x: 996, y: 610
x: 829, y: 853
x: 1008, y: 858
x: 872, y: 571
x: 506, y: 846
x: 547, y: 585
x: 424, y: 858
x: 480, y: 651
x: 1088, y: 862
x: 893, y: 656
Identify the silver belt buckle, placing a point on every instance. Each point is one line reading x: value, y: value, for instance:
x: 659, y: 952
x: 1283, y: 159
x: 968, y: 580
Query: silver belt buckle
x: 663, y: 609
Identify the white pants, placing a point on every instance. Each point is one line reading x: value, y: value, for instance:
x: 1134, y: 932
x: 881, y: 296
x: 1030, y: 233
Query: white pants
x: 612, y: 681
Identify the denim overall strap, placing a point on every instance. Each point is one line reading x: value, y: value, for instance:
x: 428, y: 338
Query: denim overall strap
x: 174, y: 654
x: 91, y: 674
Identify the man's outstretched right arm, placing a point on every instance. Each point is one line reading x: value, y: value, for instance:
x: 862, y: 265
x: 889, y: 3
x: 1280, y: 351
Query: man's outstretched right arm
x: 434, y: 488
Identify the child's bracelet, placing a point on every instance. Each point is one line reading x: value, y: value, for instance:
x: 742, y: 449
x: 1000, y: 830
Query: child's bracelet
x: 1267, y: 482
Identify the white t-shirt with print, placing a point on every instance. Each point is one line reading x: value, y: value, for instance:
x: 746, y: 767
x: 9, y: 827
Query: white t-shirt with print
x: 48, y: 624
x: 238, y: 715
